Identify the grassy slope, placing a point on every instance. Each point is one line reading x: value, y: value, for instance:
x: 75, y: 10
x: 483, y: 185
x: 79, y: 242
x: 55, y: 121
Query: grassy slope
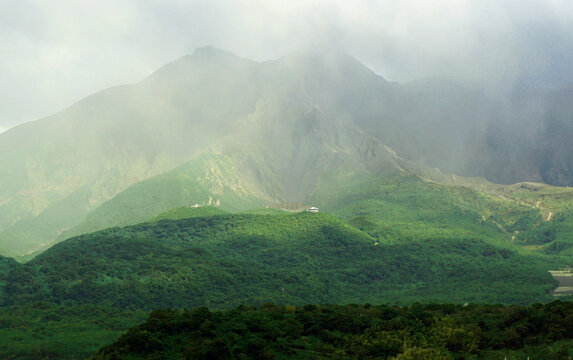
x: 386, y: 205
x: 536, y: 218
x: 550, y: 231
x: 397, y: 206
x: 553, y: 235
x: 210, y: 179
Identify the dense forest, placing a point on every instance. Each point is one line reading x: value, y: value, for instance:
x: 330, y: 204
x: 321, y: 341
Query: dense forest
x: 86, y: 291
x: 231, y: 259
x: 416, y: 332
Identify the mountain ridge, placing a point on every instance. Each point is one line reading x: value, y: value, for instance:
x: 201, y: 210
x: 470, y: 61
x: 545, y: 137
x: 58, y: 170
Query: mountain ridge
x: 285, y: 123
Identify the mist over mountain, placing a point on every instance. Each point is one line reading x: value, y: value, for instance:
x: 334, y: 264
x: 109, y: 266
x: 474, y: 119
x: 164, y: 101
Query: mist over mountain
x: 283, y: 124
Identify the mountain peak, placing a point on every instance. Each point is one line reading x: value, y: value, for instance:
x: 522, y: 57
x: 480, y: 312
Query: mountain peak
x: 204, y: 60
x: 209, y: 52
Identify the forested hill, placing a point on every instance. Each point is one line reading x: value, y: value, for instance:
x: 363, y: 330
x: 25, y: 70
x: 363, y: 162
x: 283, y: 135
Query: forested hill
x: 228, y: 260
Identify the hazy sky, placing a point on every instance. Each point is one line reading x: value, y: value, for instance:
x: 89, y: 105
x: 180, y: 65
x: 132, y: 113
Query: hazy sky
x: 54, y: 53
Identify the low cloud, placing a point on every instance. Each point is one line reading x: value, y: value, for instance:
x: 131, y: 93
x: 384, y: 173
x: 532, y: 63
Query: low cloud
x: 56, y: 54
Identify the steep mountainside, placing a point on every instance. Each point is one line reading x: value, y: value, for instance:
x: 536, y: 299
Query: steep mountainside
x: 283, y: 124
x: 54, y: 171
x: 209, y: 180
x: 386, y: 204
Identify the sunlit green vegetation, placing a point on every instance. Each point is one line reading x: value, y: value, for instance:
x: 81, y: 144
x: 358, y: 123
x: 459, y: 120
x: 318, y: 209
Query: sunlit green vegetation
x: 209, y: 179
x: 390, y: 239
x: 228, y: 260
x: 397, y: 206
x: 540, y: 195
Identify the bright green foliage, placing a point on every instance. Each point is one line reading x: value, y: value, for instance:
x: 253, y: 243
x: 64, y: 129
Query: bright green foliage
x: 418, y: 332
x: 553, y: 234
x: 391, y: 206
x: 228, y: 260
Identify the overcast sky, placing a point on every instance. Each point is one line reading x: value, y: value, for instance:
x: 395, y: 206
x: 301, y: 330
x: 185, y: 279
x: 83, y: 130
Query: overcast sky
x: 54, y: 53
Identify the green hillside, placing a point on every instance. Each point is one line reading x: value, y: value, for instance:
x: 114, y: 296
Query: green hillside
x: 284, y: 123
x: 188, y: 257
x: 208, y: 180
x: 392, y: 204
x: 534, y: 217
x: 397, y: 206
x: 55, y: 171
x: 228, y: 260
